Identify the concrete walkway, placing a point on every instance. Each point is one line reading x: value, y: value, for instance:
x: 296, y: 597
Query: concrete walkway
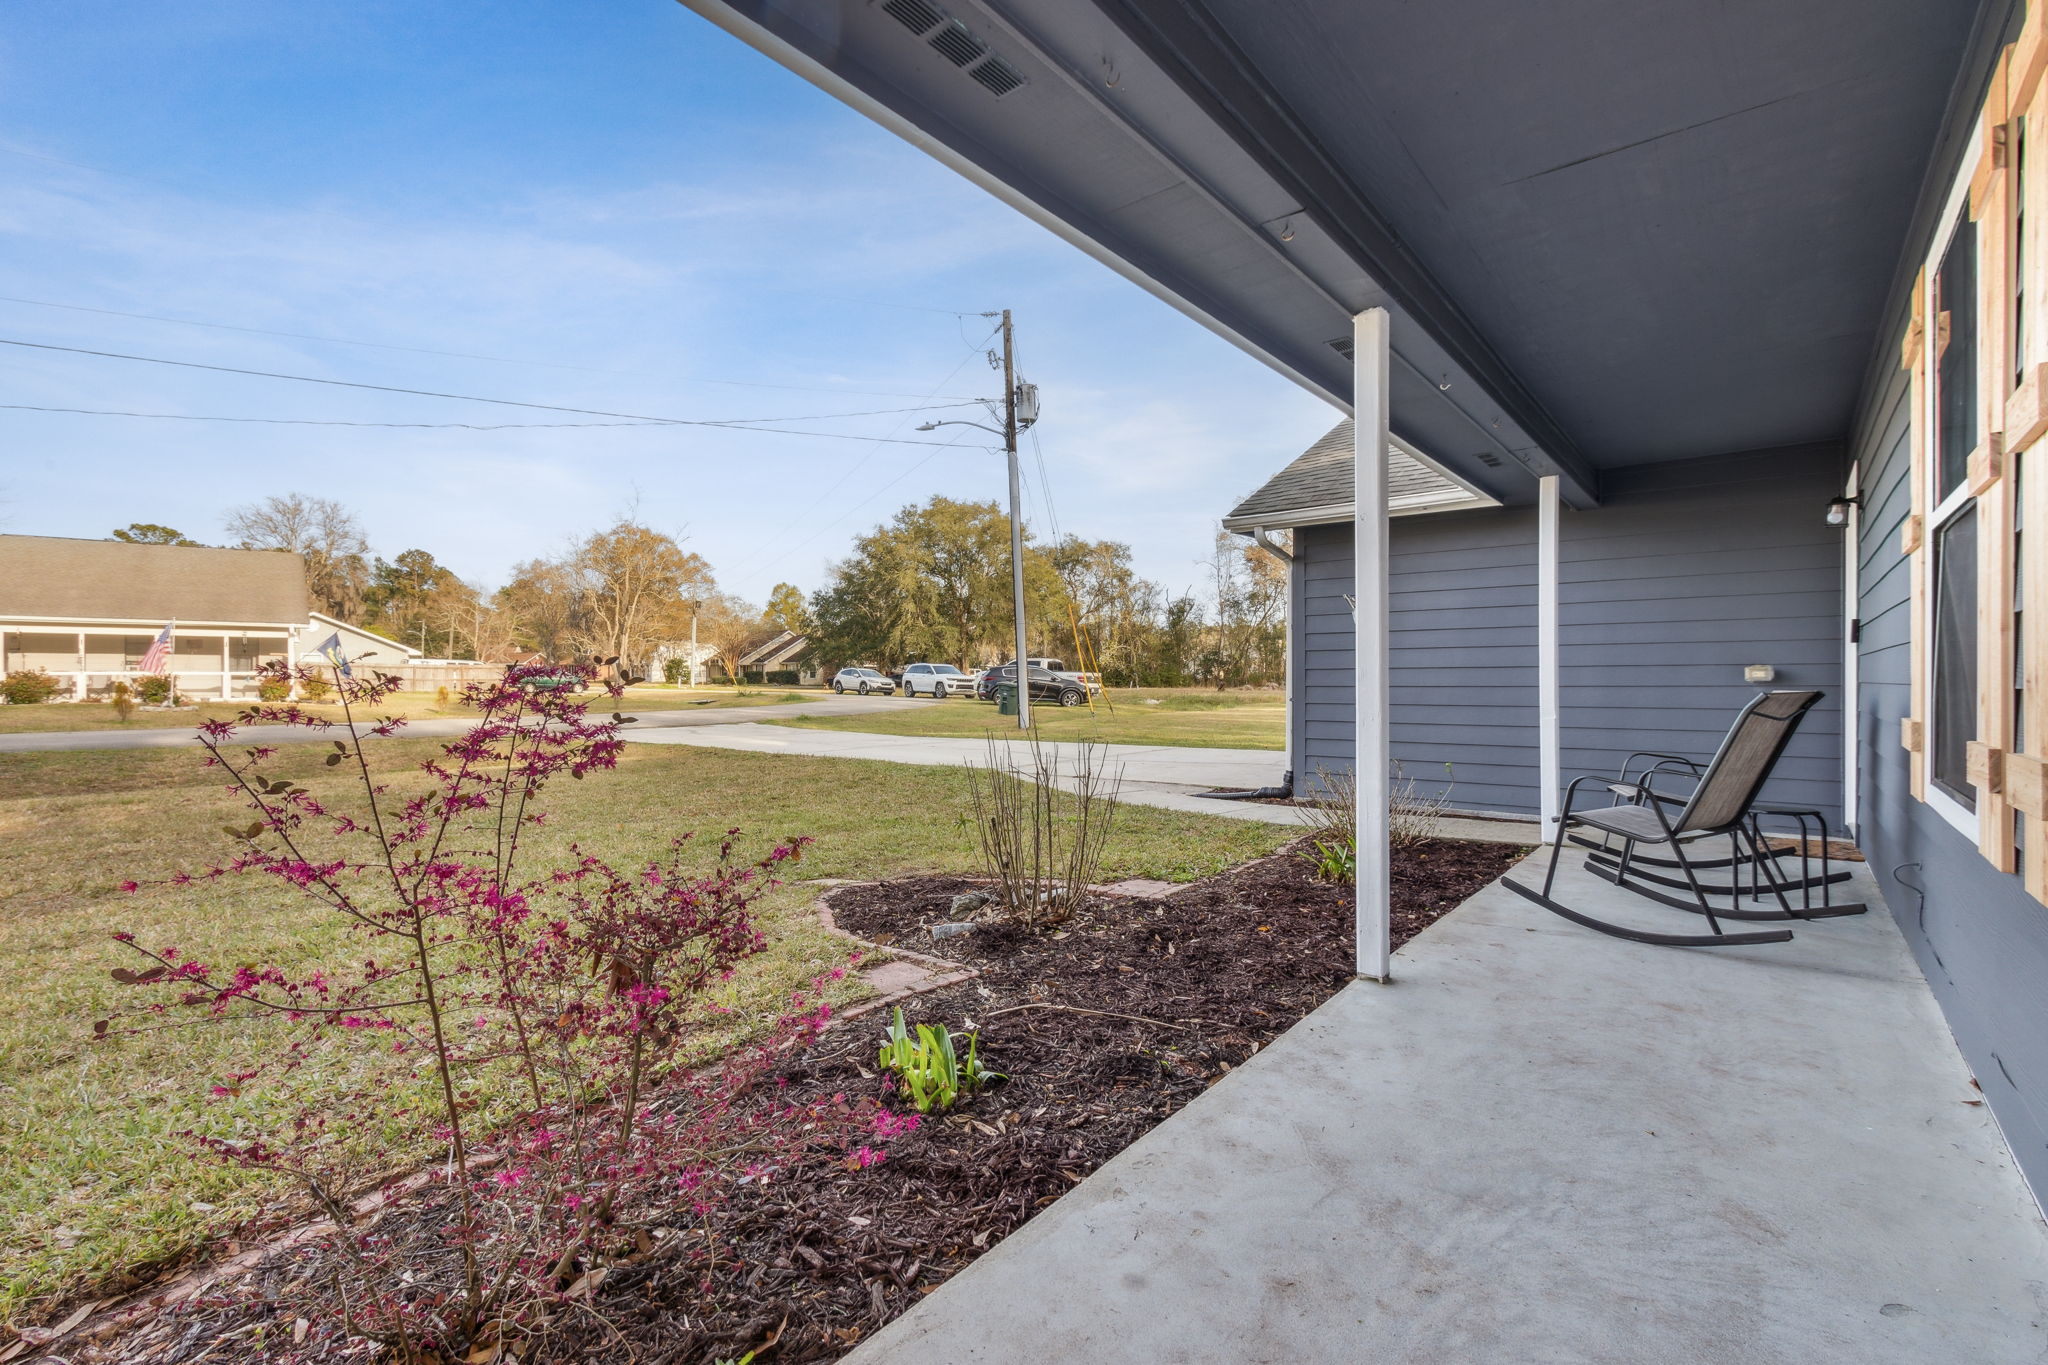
x: 1153, y: 774
x: 1541, y: 1144
x: 1168, y: 777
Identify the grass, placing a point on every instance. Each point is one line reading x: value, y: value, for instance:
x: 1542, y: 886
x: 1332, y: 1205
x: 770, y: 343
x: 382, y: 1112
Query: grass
x: 57, y: 716
x: 95, y: 1181
x: 1151, y: 715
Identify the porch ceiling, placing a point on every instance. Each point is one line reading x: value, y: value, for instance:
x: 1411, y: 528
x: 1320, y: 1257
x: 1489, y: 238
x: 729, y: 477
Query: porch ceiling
x: 1607, y: 232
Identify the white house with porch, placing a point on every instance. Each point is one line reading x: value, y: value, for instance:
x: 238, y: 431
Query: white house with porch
x: 87, y: 611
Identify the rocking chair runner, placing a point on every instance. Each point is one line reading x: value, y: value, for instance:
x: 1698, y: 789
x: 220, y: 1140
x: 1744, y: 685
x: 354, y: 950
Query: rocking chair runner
x: 1721, y: 804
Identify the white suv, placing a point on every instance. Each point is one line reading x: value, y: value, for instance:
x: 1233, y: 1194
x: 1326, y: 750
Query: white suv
x: 936, y: 680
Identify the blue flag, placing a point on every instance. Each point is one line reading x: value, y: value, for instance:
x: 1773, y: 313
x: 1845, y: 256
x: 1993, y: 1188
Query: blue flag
x: 330, y: 650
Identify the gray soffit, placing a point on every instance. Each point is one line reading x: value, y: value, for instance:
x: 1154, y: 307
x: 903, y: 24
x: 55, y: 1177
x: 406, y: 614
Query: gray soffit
x: 1317, y: 488
x: 1608, y: 233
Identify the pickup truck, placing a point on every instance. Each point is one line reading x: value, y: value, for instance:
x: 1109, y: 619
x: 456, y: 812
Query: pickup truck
x: 1058, y: 667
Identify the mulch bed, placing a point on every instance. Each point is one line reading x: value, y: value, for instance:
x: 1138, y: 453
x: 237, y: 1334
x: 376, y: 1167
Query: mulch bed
x: 1182, y: 990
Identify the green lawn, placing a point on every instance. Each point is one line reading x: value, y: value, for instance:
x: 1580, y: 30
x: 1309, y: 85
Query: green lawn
x: 1151, y: 715
x: 53, y: 716
x: 94, y: 1180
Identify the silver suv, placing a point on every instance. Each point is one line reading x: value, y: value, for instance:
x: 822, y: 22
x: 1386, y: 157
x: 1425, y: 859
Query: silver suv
x: 861, y: 680
x: 936, y: 680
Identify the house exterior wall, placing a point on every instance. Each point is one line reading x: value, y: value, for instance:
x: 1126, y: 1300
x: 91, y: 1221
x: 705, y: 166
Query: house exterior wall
x: 1687, y: 572
x: 1981, y: 940
x: 360, y: 647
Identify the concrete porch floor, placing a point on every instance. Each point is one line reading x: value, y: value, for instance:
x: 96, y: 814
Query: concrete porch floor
x: 1541, y: 1144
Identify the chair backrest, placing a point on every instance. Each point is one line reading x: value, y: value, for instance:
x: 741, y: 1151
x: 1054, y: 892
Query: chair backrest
x: 1745, y: 759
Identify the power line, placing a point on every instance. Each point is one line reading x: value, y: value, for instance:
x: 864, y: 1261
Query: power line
x: 425, y: 350
x: 783, y: 550
x: 738, y: 423
x: 459, y: 397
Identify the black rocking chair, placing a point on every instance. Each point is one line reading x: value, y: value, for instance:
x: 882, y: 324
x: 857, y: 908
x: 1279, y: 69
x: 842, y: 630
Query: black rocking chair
x: 1720, y: 805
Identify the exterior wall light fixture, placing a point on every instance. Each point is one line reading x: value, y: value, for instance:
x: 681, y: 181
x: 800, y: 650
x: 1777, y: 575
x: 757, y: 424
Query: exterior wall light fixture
x: 1838, y: 510
x: 1759, y: 673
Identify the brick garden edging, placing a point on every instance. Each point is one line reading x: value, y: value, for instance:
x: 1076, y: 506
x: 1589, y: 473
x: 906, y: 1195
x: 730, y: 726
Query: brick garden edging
x: 937, y: 973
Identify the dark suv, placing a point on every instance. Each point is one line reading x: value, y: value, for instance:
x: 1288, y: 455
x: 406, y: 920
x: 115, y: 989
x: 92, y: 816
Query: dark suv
x: 1045, y: 685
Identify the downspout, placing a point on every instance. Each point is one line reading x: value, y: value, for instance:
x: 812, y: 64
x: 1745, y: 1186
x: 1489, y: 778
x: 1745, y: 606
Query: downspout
x: 1262, y: 537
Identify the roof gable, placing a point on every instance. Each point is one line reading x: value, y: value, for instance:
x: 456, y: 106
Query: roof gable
x: 1318, y: 487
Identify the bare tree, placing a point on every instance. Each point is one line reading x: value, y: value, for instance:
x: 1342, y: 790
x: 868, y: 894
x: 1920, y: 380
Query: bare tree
x: 322, y: 532
x: 540, y: 604
x: 633, y: 587
x: 731, y: 627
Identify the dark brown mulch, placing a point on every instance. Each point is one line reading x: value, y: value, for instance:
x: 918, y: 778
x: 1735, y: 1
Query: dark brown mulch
x: 1180, y: 990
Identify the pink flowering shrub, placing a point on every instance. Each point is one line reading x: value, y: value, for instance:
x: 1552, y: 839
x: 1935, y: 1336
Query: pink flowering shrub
x: 584, y: 990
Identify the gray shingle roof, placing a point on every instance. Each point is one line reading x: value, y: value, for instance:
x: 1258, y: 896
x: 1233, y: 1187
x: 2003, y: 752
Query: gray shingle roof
x: 1319, y: 483
x: 55, y: 576
x: 784, y: 648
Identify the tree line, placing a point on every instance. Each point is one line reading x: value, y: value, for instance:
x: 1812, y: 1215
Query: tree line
x: 931, y: 583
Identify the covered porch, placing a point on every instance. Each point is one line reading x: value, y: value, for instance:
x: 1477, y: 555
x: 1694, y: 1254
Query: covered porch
x: 87, y: 657
x: 1563, y: 254
x: 1540, y: 1144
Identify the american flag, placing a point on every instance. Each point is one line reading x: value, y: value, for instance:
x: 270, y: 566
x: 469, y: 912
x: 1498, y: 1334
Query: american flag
x: 159, y: 652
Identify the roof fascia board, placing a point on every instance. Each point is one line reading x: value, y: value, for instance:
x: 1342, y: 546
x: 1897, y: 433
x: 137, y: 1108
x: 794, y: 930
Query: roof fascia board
x: 1458, y: 400
x: 1329, y: 513
x: 141, y: 622
x: 782, y: 49
x: 1186, y: 42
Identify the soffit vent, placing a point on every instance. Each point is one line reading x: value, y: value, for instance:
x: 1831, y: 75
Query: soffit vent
x: 997, y: 75
x: 915, y: 15
x: 957, y: 45
x: 955, y: 42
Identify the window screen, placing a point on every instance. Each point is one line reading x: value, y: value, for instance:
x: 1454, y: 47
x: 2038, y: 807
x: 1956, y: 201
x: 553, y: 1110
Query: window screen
x: 1955, y: 654
x: 1955, y: 360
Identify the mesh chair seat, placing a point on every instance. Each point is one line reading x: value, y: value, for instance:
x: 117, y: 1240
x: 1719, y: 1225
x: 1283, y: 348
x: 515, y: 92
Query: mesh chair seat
x: 1630, y: 822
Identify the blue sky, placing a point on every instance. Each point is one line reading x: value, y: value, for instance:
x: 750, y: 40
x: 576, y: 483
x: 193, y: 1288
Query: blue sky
x: 622, y: 209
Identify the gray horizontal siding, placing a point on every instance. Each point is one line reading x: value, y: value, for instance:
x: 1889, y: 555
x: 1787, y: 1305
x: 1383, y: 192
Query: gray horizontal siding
x: 1981, y: 940
x: 1683, y: 575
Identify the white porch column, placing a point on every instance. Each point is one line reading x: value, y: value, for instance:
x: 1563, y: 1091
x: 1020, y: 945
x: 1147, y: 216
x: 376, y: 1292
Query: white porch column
x: 227, y: 683
x: 1369, y: 341
x: 78, y: 678
x: 1549, y: 771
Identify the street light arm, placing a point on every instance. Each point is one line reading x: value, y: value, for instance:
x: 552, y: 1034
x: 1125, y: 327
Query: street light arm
x: 934, y: 426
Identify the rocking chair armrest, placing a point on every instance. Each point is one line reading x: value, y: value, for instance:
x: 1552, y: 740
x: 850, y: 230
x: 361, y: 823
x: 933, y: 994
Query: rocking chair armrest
x: 1689, y: 765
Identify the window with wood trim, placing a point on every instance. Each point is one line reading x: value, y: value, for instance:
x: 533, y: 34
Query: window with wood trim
x: 1978, y: 348
x: 1947, y: 558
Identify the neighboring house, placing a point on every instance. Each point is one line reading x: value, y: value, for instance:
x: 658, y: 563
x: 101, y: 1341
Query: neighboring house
x: 362, y: 648
x: 1663, y: 282
x: 697, y: 658
x: 784, y: 658
x: 87, y: 612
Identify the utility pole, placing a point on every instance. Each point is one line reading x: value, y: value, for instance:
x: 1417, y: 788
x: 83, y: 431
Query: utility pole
x: 693, y: 644
x: 1016, y: 521
x: 1020, y: 410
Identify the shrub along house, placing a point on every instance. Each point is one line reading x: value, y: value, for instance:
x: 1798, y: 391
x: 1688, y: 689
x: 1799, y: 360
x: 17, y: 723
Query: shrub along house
x: 1660, y: 281
x: 87, y: 611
